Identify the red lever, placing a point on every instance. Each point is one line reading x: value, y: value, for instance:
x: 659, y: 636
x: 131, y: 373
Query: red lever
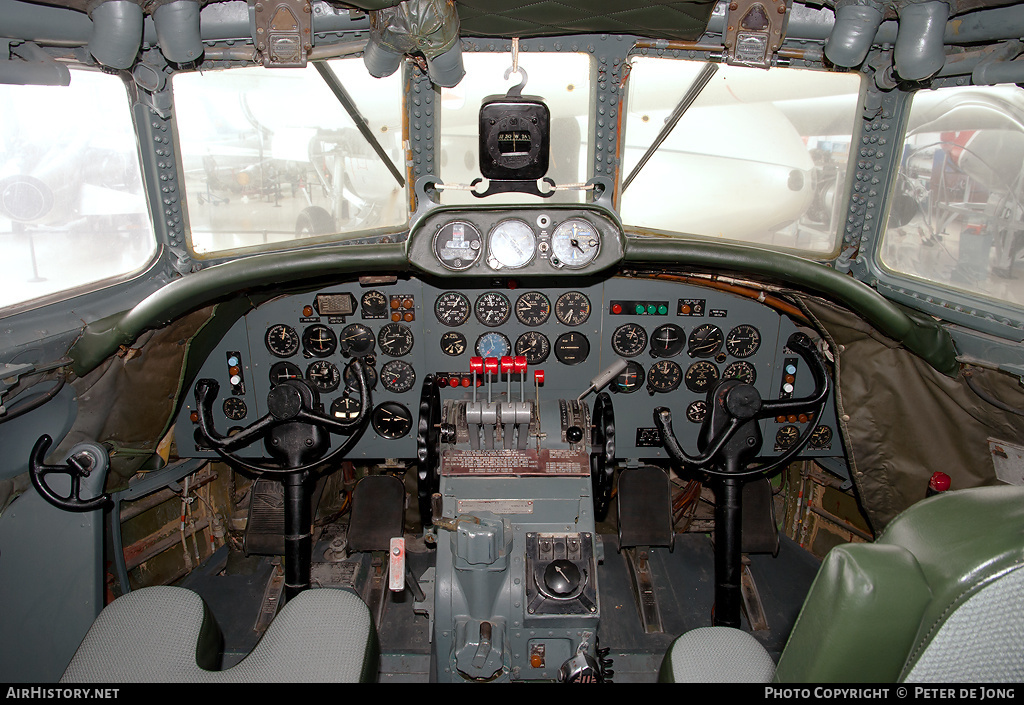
x: 491, y: 365
x: 476, y: 364
x: 520, y: 364
x: 538, y: 376
x: 506, y: 364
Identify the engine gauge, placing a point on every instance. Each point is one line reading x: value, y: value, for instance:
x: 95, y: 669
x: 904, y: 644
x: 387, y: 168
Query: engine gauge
x: 512, y: 244
x: 701, y: 376
x: 395, y: 339
x: 452, y: 308
x: 741, y: 370
x: 492, y: 308
x: 664, y: 376
x: 356, y: 340
x: 743, y: 340
x: 572, y: 348
x: 324, y: 376
x: 705, y: 341
x: 457, y: 245
x: 345, y: 409
x: 533, y: 308
x: 282, y: 340
x: 235, y: 409
x: 453, y: 343
x: 697, y: 411
x: 574, y: 244
x: 493, y: 344
x: 629, y: 340
x: 821, y: 438
x: 397, y: 376
x: 786, y: 436
x: 630, y: 379
x: 352, y: 383
x: 572, y: 308
x: 283, y: 371
x: 391, y: 420
x: 667, y: 340
x: 374, y: 305
x: 534, y: 346
x: 319, y: 341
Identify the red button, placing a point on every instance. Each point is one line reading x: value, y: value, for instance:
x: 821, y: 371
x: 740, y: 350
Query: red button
x: 616, y: 309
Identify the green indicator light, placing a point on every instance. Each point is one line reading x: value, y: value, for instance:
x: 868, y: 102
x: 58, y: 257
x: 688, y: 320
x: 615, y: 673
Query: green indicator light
x: 651, y: 309
x: 663, y: 309
x: 640, y: 309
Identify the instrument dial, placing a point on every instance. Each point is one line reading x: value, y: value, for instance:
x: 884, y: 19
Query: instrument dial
x: 397, y: 376
x: 282, y: 340
x: 324, y: 376
x: 492, y: 344
x: 697, y: 411
x: 352, y: 383
x: 457, y: 245
x: 705, y: 341
x: 345, y: 408
x: 701, y: 376
x: 452, y: 308
x: 534, y: 346
x: 391, y: 420
x: 743, y: 341
x: 821, y: 438
x: 492, y: 308
x: 533, y: 308
x: 572, y: 348
x: 630, y: 379
x: 572, y: 308
x: 319, y: 341
x: 283, y: 371
x: 356, y: 340
x: 374, y: 305
x: 513, y: 244
x: 453, y: 343
x: 786, y: 436
x: 235, y: 409
x: 574, y: 244
x: 667, y: 340
x: 741, y: 370
x: 664, y: 376
x: 629, y: 340
x: 395, y: 339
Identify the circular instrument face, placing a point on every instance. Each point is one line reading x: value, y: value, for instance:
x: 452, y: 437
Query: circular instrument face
x: 534, y: 346
x: 697, y: 411
x: 572, y: 348
x: 492, y: 308
x: 453, y: 343
x: 374, y: 304
x: 629, y: 340
x: 319, y: 340
x: 512, y: 244
x: 664, y: 376
x: 324, y: 376
x: 452, y: 308
x: 701, y: 376
x: 345, y: 409
x: 235, y: 409
x: 741, y: 370
x: 395, y: 339
x: 572, y: 308
x: 821, y: 438
x: 743, y: 340
x: 282, y: 371
x: 705, y: 341
x: 391, y: 420
x: 667, y: 340
x: 630, y: 379
x: 352, y: 383
x: 397, y: 376
x: 282, y: 340
x: 356, y: 340
x: 786, y: 436
x: 574, y: 244
x: 533, y: 308
x: 493, y: 344
x: 457, y: 245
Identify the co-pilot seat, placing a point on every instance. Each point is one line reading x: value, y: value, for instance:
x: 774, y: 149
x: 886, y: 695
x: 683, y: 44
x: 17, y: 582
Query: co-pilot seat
x: 936, y: 598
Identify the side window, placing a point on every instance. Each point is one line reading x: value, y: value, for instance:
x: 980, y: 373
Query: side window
x: 73, y: 210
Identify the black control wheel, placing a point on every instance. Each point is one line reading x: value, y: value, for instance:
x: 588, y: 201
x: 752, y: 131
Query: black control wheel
x: 428, y: 478
x: 83, y: 460
x: 602, y: 456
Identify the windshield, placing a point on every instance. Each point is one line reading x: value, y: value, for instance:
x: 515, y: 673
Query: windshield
x: 274, y: 156
x: 760, y: 156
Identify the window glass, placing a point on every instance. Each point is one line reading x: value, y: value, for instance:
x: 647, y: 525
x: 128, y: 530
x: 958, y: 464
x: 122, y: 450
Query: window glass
x: 73, y: 211
x: 957, y: 213
x: 271, y: 157
x: 760, y: 156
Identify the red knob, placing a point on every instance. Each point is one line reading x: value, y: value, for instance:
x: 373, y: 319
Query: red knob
x: 476, y: 364
x: 491, y: 365
x: 538, y: 376
x: 506, y: 364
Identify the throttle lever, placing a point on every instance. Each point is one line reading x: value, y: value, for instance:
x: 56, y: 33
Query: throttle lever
x: 83, y: 460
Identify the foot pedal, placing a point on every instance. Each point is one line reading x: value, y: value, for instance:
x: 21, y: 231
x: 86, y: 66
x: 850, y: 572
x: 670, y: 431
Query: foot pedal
x: 264, y: 528
x: 642, y: 582
x: 760, y: 532
x: 378, y: 513
x: 645, y: 508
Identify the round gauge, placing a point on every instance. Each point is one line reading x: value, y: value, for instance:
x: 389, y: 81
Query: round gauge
x: 457, y: 245
x: 574, y: 244
x: 452, y: 308
x: 701, y: 376
x: 741, y: 370
x: 572, y: 348
x: 319, y: 341
x: 324, y: 376
x: 235, y: 409
x: 667, y: 340
x: 391, y: 420
x: 664, y: 376
x: 492, y: 308
x: 630, y: 379
x: 705, y: 341
x: 282, y: 371
x: 353, y: 384
x: 821, y: 438
x: 356, y: 340
x: 697, y: 411
x: 453, y: 343
x: 533, y: 308
x: 743, y: 340
x: 374, y: 305
x: 395, y: 339
x: 572, y: 308
x: 345, y: 408
x: 282, y: 340
x: 534, y: 346
x: 512, y: 245
x: 629, y: 340
x: 397, y: 376
x: 786, y: 436
x: 492, y: 344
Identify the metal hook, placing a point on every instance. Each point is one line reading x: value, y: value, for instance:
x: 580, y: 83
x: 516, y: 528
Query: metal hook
x: 516, y: 90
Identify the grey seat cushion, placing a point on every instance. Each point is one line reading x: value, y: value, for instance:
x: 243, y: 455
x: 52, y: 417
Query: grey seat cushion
x: 717, y: 655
